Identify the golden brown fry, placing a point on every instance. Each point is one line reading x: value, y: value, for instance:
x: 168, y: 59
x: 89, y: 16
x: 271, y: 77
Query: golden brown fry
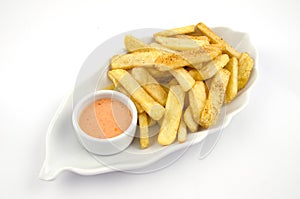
x: 173, y: 82
x: 189, y: 120
x: 133, y: 44
x: 171, y: 120
x: 232, y: 87
x: 176, y: 31
x: 215, y: 100
x: 168, y: 61
x: 142, y: 76
x: 197, y: 98
x: 184, y: 79
x: 163, y: 61
x: 153, y: 108
x: 160, y: 75
x: 216, y: 39
x: 181, y: 43
x: 151, y: 122
x: 196, y: 65
x: 144, y: 131
x: 139, y: 108
x: 196, y: 75
x: 182, y: 132
x: 201, y: 54
x: 195, y: 37
x: 160, y: 47
x: 119, y: 88
x: 135, y: 59
x: 212, y: 67
x: 246, y: 64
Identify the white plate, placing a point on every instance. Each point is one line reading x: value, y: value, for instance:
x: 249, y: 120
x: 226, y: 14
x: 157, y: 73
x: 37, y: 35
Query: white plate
x: 64, y: 152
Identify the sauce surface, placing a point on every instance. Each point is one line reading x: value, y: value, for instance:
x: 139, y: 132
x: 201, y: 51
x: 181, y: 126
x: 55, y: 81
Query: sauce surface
x: 105, y: 118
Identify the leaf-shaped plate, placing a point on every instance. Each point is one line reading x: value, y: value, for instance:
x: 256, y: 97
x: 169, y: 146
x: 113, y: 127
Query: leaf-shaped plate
x: 64, y: 152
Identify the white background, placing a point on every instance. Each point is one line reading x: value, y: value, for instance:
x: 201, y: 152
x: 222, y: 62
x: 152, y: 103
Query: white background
x: 43, y: 45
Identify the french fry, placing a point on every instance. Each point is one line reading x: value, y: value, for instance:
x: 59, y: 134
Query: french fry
x: 212, y: 67
x: 151, y: 122
x: 197, y: 98
x: 119, y: 88
x: 232, y: 87
x: 189, y: 120
x: 133, y: 44
x: 182, y: 132
x: 163, y: 61
x: 144, y: 131
x: 168, y: 61
x: 142, y: 76
x: 171, y: 120
x: 196, y: 75
x: 180, y: 43
x: 161, y: 75
x: 173, y: 82
x: 246, y: 64
x: 139, y: 108
x: 176, y: 31
x: 197, y: 65
x: 201, y: 54
x: 216, y: 39
x: 159, y: 122
x: 215, y: 99
x: 205, y: 39
x: 153, y: 108
x: 160, y: 47
x: 184, y: 79
x: 135, y: 59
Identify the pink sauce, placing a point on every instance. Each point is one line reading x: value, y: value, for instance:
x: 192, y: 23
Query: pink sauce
x: 105, y: 118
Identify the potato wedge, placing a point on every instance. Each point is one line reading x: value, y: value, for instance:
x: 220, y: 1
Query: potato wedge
x: 201, y: 54
x: 196, y: 75
x: 142, y: 76
x: 246, y: 64
x: 180, y: 44
x: 139, y: 108
x: 197, y: 98
x: 171, y: 120
x: 217, y: 39
x: 153, y: 108
x: 176, y: 31
x: 182, y: 132
x: 212, y: 67
x: 144, y: 130
x: 173, y: 82
x: 205, y: 39
x: 168, y: 61
x: 119, y: 88
x: 163, y: 61
x: 215, y: 99
x: 184, y: 79
x: 189, y: 120
x: 135, y: 59
x: 159, y: 75
x: 232, y: 87
x: 160, y: 47
x: 151, y: 122
x: 133, y: 44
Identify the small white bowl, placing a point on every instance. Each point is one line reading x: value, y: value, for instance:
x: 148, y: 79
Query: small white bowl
x: 105, y: 146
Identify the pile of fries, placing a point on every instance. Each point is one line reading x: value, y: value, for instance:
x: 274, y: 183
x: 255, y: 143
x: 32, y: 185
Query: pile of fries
x: 181, y: 81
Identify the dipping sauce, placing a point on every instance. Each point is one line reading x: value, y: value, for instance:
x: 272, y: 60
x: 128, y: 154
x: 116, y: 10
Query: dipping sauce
x: 105, y: 118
